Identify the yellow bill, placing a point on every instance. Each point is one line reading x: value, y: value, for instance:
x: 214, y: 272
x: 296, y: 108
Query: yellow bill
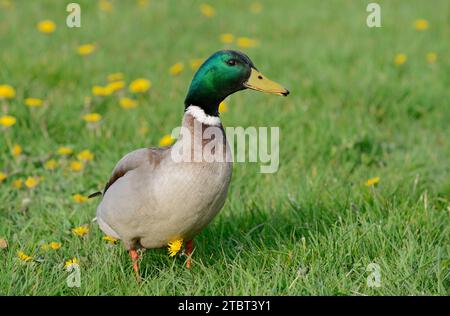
x: 260, y: 83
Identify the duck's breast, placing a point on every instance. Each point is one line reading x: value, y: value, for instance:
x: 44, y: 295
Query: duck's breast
x: 183, y: 201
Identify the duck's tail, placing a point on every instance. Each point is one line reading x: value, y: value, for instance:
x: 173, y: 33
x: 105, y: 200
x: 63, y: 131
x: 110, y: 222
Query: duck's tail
x: 93, y: 195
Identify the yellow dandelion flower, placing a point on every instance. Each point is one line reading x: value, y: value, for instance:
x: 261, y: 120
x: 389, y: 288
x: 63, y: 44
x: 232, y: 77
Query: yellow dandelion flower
x: 223, y: 107
x: 79, y: 198
x: 63, y: 151
x: 227, y: 38
x: 246, y: 42
x: 7, y: 92
x: 81, y: 230
x: 176, y: 69
x: 22, y: 256
x: 400, y: 59
x: 110, y: 240
x: 86, y: 49
x: 256, y: 7
x: 50, y: 165
x: 174, y: 247
x: 92, y: 117
x: 114, y: 86
x: 99, y: 91
x: 71, y: 262
x: 207, y: 10
x: 140, y: 85
x: 55, y: 245
x: 421, y: 24
x: 110, y: 89
x: 46, y: 26
x: 372, y: 181
x: 106, y: 90
x: 3, y: 176
x: 16, y: 150
x: 166, y: 140
x: 431, y: 57
x: 17, y: 184
x: 116, y: 76
x: 105, y: 5
x: 196, y: 63
x: 31, y: 182
x: 85, y: 155
x: 7, y: 120
x: 76, y: 165
x: 128, y: 103
x: 33, y: 102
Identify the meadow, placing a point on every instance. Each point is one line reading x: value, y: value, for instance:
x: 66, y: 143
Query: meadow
x: 364, y: 145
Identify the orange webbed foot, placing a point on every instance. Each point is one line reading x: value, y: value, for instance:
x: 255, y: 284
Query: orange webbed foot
x: 135, y: 260
x: 188, y: 252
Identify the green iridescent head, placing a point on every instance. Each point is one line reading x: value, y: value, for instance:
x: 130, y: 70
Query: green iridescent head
x: 225, y: 73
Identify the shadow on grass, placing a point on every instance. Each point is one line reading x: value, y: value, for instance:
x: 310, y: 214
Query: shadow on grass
x: 253, y: 231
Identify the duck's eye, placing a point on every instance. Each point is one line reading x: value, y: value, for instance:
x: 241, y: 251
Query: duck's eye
x: 231, y: 62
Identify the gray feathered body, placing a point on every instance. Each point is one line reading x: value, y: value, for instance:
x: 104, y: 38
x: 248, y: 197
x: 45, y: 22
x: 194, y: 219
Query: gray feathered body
x: 152, y: 200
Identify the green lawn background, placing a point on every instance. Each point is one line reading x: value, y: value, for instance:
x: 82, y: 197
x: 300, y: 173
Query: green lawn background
x: 312, y: 227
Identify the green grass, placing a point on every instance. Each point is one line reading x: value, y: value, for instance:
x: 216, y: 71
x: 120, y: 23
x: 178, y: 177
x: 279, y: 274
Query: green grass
x: 352, y: 115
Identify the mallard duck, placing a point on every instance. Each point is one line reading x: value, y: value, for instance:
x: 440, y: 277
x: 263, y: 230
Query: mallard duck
x: 151, y: 199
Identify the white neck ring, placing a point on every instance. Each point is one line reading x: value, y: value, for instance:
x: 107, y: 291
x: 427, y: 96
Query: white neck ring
x: 199, y: 114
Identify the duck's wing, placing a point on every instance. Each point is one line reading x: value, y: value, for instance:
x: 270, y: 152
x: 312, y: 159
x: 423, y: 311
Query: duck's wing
x: 131, y: 161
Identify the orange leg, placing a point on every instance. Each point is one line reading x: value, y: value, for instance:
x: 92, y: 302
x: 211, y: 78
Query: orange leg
x: 135, y: 258
x: 189, y: 248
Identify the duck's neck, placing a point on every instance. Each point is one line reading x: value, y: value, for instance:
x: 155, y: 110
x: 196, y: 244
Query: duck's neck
x: 205, y: 94
x: 208, y: 103
x: 202, y: 138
